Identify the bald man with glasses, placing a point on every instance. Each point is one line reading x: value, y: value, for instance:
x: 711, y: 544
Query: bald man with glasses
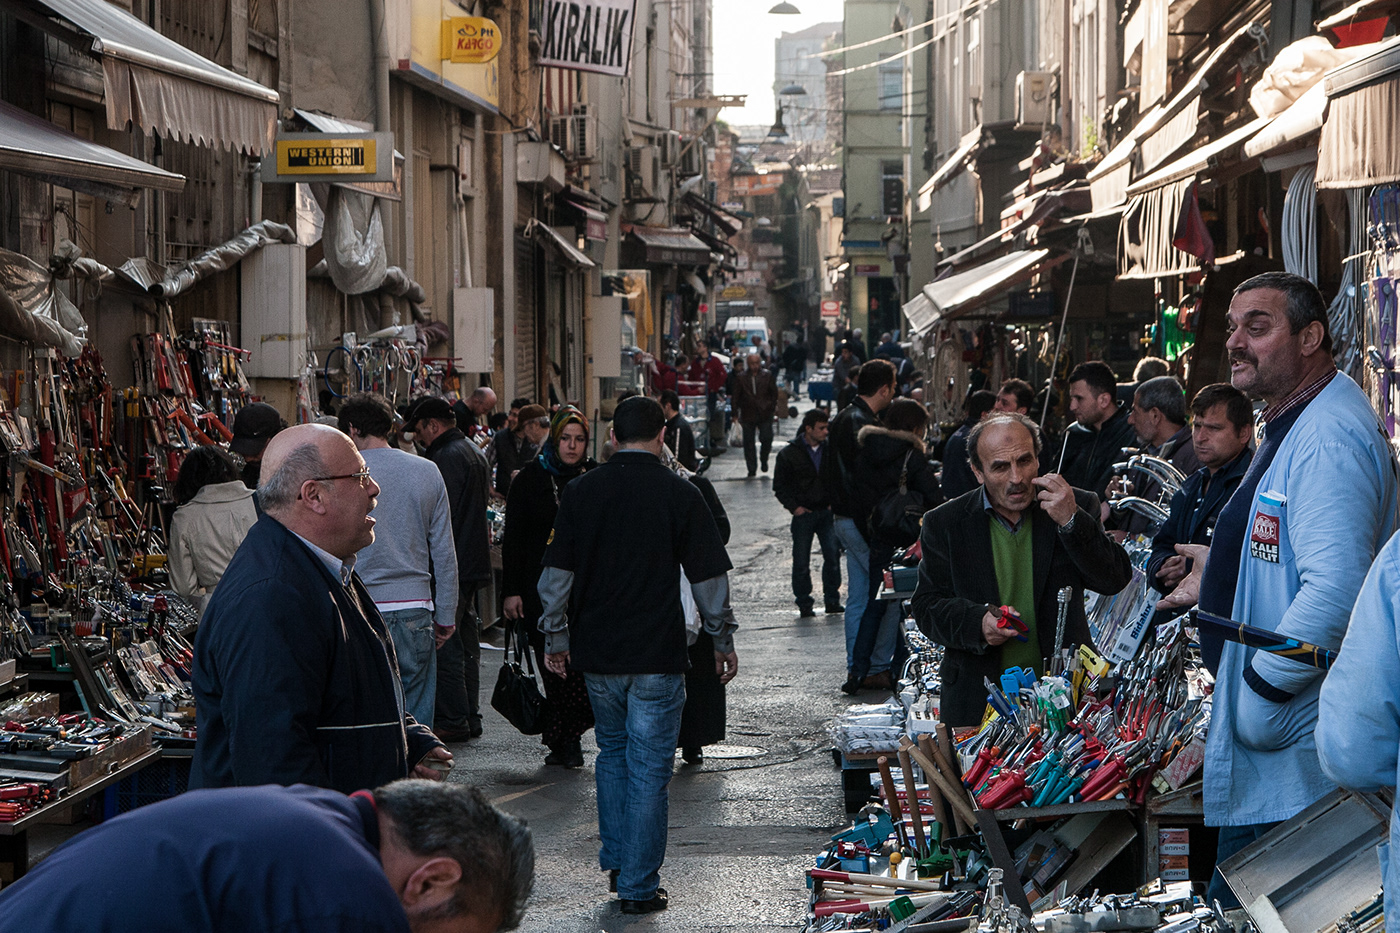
x: 295, y: 676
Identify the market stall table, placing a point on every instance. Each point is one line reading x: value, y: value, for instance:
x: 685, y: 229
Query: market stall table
x: 14, y: 837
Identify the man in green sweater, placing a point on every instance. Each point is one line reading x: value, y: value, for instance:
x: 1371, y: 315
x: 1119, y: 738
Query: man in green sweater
x: 1014, y: 541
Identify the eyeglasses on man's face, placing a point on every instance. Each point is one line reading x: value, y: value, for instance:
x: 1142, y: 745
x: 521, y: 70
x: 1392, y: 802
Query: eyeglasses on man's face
x: 362, y: 476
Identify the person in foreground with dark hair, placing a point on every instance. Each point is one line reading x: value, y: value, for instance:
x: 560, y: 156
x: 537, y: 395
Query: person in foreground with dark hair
x: 1221, y: 429
x: 1096, y: 442
x: 294, y: 675
x: 612, y: 609
x: 1014, y: 541
x: 419, y: 856
x: 216, y: 510
x: 1290, y: 552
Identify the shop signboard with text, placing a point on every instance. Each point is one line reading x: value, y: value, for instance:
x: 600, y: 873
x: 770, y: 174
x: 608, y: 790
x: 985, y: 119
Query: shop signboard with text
x: 588, y: 35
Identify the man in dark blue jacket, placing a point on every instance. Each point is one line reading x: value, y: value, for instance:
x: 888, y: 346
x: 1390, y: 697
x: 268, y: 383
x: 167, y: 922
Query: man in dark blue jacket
x: 295, y: 677
x: 1221, y: 429
x: 409, y: 856
x: 798, y: 485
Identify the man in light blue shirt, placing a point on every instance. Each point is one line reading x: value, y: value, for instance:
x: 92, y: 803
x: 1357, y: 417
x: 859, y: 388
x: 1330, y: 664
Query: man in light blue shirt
x: 411, y: 568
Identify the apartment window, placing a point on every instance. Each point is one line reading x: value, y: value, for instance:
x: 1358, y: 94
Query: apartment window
x: 891, y: 86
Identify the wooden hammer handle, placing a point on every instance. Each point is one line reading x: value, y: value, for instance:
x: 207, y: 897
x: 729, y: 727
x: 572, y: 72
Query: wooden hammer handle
x: 953, y: 794
x: 911, y: 799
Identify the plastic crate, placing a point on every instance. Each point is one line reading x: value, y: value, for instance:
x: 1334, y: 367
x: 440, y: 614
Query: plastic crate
x: 161, y: 780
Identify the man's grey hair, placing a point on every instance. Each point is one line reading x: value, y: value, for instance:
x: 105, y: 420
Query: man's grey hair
x: 1002, y: 417
x: 494, y: 849
x: 280, y: 490
x: 1166, y: 395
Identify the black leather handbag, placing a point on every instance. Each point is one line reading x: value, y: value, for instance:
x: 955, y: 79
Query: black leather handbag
x: 896, y: 517
x: 517, y: 695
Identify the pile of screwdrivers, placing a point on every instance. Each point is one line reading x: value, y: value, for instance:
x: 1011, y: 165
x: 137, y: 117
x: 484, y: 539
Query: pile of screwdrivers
x: 19, y: 798
x: 1056, y: 740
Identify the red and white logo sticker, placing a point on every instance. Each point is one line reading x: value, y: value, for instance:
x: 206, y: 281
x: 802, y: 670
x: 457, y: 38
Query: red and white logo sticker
x: 1263, y: 537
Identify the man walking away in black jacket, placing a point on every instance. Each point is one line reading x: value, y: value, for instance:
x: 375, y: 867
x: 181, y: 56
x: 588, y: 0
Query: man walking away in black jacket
x: 1096, y: 443
x: 798, y: 485
x: 468, y: 478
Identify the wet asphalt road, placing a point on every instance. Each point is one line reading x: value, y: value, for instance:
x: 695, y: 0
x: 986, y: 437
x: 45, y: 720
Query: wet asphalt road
x: 742, y: 829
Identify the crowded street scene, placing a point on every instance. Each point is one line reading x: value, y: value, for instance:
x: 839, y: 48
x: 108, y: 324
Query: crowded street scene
x: 677, y: 465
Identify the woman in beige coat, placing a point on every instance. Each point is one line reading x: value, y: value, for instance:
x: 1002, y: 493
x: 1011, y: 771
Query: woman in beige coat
x: 216, y: 510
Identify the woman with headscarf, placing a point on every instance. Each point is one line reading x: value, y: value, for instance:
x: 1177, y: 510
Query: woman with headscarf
x: 531, y: 506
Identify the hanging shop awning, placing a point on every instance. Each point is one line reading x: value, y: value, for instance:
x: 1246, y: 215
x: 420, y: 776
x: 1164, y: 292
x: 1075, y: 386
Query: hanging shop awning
x: 1302, y: 118
x: 1203, y: 157
x: 157, y: 84
x: 565, y: 250
x: 35, y: 147
x: 1357, y: 147
x: 955, y: 295
x: 665, y: 246
x: 1165, y: 128
x: 724, y: 221
x: 1361, y: 22
x: 967, y: 149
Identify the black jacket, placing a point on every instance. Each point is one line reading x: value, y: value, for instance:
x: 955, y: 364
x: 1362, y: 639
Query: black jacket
x: 957, y: 585
x: 295, y: 677
x: 957, y: 471
x: 468, y: 476
x: 839, y: 464
x: 1090, y: 458
x: 796, y: 481
x: 681, y: 440
x: 882, y: 456
x: 530, y: 511
x: 1193, y: 512
x: 509, y: 453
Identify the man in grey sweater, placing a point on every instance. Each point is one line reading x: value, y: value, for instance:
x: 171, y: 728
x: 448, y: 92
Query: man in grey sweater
x: 411, y: 568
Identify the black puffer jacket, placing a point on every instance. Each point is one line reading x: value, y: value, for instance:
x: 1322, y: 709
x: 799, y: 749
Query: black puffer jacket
x: 882, y: 456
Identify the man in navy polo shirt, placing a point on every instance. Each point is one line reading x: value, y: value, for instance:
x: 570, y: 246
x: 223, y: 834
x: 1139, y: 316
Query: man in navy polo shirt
x: 411, y: 856
x: 612, y: 609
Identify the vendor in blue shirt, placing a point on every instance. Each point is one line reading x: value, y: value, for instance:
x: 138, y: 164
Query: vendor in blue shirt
x: 1290, y: 551
x: 413, y: 855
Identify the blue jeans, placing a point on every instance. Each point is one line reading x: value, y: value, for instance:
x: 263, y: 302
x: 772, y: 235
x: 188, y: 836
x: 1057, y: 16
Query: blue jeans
x: 412, y: 631
x: 877, y: 637
x: 804, y: 528
x: 637, y: 721
x: 1232, y: 840
x: 857, y: 578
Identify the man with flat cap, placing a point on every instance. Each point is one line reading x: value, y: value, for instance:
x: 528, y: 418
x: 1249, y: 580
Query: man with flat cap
x: 467, y: 474
x: 253, y: 427
x: 295, y: 676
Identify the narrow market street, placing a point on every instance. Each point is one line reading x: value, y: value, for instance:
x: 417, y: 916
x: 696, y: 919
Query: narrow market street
x: 746, y: 822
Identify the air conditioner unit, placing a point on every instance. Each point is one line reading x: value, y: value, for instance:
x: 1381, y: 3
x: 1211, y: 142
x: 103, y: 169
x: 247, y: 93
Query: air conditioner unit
x: 559, y: 134
x: 693, y: 159
x: 642, y: 170
x: 1034, y: 107
x: 583, y: 137
x: 670, y: 144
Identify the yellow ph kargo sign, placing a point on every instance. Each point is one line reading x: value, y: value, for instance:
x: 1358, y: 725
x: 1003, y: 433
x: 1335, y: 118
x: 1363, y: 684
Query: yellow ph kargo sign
x: 327, y: 156
x: 470, y: 40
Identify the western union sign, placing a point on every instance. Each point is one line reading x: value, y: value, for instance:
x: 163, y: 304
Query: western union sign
x: 331, y: 157
x: 340, y: 156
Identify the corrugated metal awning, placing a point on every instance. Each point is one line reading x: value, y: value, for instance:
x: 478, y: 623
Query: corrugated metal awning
x: 158, y: 85
x: 35, y: 147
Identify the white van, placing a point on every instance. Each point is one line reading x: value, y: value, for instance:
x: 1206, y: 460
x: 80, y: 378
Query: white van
x: 748, y: 332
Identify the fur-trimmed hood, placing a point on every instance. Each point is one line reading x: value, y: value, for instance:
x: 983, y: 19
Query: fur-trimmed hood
x: 871, y: 431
